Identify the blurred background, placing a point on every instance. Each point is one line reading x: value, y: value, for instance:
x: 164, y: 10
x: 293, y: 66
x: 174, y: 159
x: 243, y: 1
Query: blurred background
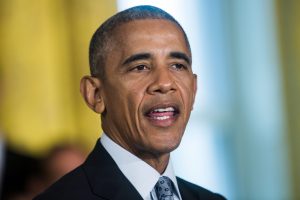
x: 243, y: 136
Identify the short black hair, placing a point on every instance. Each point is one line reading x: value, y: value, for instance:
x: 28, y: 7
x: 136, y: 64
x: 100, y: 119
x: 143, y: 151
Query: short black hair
x: 100, y: 41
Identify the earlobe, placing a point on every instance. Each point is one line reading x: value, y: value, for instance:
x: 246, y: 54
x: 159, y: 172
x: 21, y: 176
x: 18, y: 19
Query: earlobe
x: 90, y: 89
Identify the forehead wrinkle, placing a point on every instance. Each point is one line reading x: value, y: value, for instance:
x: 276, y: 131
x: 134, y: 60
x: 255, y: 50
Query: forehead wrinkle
x: 119, y: 37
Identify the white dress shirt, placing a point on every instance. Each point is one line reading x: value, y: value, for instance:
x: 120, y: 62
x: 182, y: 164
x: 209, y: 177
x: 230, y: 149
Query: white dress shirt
x: 141, y: 175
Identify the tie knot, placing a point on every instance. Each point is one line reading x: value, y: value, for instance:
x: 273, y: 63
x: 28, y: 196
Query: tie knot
x: 164, y: 189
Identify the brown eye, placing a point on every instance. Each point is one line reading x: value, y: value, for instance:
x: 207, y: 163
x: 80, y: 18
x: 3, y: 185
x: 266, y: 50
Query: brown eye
x: 178, y: 66
x: 139, y: 68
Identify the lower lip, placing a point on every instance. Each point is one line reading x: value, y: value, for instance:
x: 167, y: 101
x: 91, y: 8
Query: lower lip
x: 163, y: 120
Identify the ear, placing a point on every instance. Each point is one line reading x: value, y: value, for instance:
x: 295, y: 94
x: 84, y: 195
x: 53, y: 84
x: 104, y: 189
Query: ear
x: 91, y: 91
x: 195, y: 88
x: 195, y: 84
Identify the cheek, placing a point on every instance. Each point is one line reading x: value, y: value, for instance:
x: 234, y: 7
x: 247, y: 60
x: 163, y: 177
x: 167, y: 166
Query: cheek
x: 135, y: 98
x: 130, y: 96
x: 187, y: 91
x: 114, y: 98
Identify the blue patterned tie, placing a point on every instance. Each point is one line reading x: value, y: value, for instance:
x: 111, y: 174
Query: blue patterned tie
x: 164, y: 189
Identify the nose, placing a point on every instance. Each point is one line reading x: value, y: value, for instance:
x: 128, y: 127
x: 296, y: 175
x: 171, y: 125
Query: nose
x: 162, y: 82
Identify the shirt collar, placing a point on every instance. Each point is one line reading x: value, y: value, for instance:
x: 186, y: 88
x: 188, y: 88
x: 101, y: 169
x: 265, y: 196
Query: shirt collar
x: 142, y: 176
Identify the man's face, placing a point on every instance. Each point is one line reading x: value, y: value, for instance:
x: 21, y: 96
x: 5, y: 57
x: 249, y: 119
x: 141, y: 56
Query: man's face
x: 149, y: 87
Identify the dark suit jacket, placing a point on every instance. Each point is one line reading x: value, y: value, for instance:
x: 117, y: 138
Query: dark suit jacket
x: 99, y: 178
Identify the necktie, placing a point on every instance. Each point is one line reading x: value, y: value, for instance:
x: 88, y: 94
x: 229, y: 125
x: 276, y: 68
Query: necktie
x: 164, y: 189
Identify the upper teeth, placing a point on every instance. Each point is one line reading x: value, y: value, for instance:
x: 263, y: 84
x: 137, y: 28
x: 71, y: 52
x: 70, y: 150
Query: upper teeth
x: 168, y: 109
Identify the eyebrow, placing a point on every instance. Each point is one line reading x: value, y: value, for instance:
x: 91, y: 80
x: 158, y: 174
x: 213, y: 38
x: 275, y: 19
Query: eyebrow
x: 180, y: 55
x: 145, y: 56
x: 135, y: 57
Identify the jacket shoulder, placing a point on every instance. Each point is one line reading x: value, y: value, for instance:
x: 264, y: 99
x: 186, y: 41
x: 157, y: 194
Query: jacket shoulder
x: 191, y: 191
x: 73, y: 185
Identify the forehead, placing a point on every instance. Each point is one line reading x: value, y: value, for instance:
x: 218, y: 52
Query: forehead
x: 147, y: 32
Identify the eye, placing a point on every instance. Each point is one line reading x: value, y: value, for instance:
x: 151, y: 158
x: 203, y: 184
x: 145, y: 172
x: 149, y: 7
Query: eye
x: 139, y: 68
x: 178, y: 66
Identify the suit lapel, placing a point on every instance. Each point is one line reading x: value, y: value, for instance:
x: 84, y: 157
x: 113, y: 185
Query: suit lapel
x: 105, y: 178
x: 184, y: 192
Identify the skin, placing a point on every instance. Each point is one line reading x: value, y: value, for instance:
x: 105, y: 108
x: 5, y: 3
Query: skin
x: 148, y: 66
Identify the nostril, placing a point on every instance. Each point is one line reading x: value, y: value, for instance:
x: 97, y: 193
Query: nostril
x: 162, y: 87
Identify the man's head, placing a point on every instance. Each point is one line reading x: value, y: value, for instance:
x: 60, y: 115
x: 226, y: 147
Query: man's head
x: 101, y: 41
x: 147, y: 89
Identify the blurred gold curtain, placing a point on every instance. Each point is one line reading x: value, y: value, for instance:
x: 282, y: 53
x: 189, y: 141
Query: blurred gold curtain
x: 43, y: 55
x: 289, y: 30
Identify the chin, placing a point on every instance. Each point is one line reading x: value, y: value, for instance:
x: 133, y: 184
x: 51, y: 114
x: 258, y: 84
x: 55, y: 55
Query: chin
x: 167, y: 147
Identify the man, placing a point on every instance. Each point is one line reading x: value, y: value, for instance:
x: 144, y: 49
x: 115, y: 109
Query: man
x: 143, y: 86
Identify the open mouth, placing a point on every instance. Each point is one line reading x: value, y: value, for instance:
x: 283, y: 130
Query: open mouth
x: 163, y: 115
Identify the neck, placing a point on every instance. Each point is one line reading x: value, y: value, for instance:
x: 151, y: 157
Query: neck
x: 156, y: 159
x: 158, y: 162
